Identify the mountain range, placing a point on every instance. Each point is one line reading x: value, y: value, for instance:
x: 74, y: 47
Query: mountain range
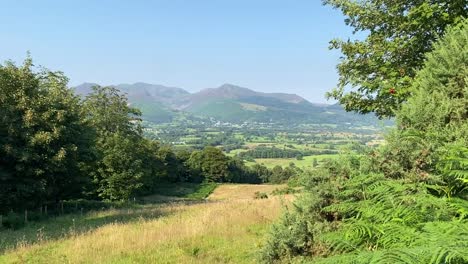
x: 228, y: 103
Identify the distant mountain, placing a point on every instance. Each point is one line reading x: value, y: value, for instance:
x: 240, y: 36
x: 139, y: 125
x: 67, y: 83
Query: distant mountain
x: 155, y: 101
x: 84, y: 88
x: 141, y: 91
x: 233, y: 103
x: 229, y: 103
x: 229, y: 91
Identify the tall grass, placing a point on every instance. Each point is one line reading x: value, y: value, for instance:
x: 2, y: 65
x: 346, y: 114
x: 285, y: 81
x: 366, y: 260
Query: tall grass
x: 215, y: 231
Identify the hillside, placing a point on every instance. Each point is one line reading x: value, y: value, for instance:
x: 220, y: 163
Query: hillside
x: 230, y: 103
x: 227, y: 228
x: 155, y: 101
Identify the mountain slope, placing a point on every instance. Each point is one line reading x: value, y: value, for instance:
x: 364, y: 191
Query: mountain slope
x: 238, y: 104
x: 229, y: 103
x: 155, y: 101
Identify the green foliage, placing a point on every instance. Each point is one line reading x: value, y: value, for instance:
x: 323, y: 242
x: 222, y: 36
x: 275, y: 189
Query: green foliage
x: 44, y: 142
x: 120, y: 165
x: 282, y: 175
x: 13, y: 221
x: 109, y: 112
x: 405, y: 202
x: 56, y: 146
x: 314, y: 162
x: 379, y: 69
x: 453, y: 167
x: 262, y: 152
x: 261, y: 172
x: 368, y: 217
x: 120, y: 171
x: 211, y: 163
x: 187, y: 190
x: 437, y: 112
x: 203, y: 191
x: 260, y: 195
x: 285, y: 190
x: 439, y: 103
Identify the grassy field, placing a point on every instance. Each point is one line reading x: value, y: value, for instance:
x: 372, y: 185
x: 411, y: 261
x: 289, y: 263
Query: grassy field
x: 305, y: 162
x: 180, y: 191
x: 228, y: 227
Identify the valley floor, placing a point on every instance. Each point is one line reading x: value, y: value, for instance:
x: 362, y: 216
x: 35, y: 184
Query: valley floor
x: 228, y: 227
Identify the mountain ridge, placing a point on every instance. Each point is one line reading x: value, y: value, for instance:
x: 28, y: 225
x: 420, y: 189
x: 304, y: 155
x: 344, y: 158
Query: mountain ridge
x: 227, y: 102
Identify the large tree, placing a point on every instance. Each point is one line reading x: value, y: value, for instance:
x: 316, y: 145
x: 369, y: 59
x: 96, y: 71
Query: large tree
x: 44, y: 141
x: 120, y: 166
x: 211, y: 164
x: 376, y: 72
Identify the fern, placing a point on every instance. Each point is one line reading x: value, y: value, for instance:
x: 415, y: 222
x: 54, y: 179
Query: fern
x: 453, y: 167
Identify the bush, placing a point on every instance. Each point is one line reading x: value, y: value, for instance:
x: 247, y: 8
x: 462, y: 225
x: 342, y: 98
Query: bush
x: 13, y: 221
x: 285, y: 190
x: 260, y: 195
x: 437, y: 112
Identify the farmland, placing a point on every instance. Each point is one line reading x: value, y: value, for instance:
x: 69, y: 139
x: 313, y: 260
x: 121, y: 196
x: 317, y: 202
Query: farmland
x: 304, y: 145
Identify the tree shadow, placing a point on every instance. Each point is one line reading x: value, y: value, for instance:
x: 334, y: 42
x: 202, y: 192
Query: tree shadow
x: 75, y: 224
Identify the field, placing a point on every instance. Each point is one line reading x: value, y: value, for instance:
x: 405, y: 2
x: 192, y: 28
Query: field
x: 228, y: 227
x: 306, y: 162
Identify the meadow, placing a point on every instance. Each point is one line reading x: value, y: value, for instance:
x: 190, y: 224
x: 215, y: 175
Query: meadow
x: 227, y: 227
x: 305, y: 162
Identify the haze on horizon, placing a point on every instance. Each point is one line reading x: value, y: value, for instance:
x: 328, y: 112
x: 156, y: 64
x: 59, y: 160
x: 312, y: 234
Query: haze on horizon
x: 267, y: 46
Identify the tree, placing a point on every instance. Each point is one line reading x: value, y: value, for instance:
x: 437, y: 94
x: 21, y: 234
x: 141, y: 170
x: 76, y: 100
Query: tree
x: 109, y: 112
x: 314, y: 162
x: 120, y: 170
x: 277, y: 174
x: 211, y: 163
x: 172, y: 168
x: 436, y: 115
x: 120, y: 146
x: 440, y: 89
x: 376, y: 73
x: 45, y: 143
x: 261, y: 172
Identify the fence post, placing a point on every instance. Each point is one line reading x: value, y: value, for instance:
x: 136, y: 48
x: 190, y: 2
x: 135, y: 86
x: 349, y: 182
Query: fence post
x: 26, y: 215
x: 61, y: 205
x: 81, y: 211
x: 45, y: 209
x: 1, y: 220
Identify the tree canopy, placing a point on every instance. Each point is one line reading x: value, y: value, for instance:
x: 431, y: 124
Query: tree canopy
x: 376, y: 72
x: 44, y: 140
x: 404, y: 202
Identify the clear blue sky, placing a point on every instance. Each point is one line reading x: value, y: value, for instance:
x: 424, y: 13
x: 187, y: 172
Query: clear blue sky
x: 266, y: 45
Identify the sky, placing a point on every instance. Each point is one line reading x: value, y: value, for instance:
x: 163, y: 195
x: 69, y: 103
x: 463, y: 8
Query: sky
x: 264, y: 45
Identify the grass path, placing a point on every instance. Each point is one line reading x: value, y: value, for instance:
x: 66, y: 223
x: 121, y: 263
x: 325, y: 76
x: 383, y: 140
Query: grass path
x: 219, y: 230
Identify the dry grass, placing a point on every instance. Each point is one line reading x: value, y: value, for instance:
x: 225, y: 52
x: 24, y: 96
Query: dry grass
x: 218, y: 231
x: 242, y: 191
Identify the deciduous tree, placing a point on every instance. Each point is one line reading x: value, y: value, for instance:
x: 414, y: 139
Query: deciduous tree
x: 376, y: 72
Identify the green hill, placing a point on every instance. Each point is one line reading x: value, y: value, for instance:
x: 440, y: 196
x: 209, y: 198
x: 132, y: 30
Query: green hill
x: 230, y: 103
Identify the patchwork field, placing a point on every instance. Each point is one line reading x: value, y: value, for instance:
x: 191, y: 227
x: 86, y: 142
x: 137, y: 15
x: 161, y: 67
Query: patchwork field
x: 228, y: 227
x: 306, y: 162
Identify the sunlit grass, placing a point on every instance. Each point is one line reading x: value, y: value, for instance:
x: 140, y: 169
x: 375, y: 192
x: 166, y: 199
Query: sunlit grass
x: 216, y: 231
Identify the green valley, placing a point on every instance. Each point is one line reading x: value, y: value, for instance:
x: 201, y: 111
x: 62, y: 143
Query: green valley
x: 374, y: 170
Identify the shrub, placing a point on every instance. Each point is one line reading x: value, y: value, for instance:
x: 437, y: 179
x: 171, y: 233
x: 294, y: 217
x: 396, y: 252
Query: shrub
x: 13, y: 221
x: 285, y: 190
x: 437, y: 112
x: 260, y: 195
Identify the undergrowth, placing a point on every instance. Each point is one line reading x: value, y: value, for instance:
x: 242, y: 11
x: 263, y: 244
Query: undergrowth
x: 405, y: 202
